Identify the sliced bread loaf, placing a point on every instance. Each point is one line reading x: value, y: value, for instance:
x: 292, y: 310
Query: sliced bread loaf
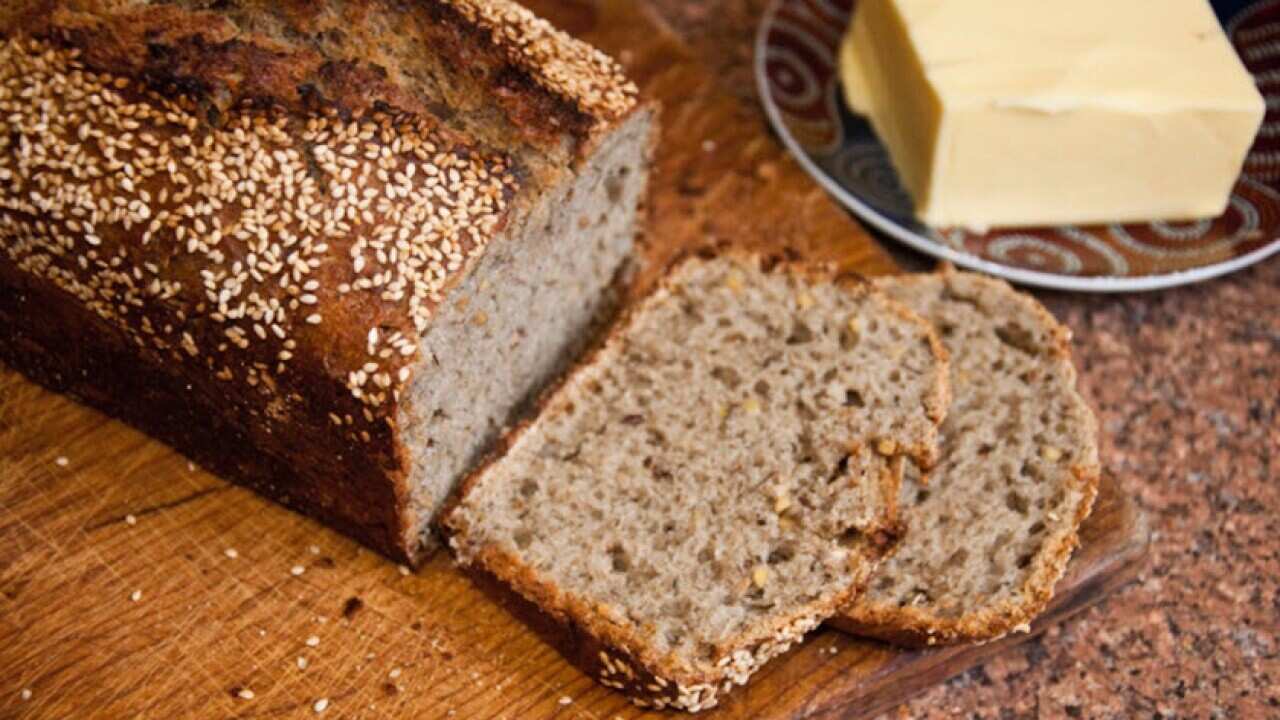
x: 715, y: 480
x: 327, y: 249
x: 991, y: 532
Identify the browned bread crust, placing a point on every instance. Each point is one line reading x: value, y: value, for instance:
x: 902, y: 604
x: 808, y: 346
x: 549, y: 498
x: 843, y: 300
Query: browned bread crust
x: 353, y: 57
x: 599, y: 639
x: 230, y: 226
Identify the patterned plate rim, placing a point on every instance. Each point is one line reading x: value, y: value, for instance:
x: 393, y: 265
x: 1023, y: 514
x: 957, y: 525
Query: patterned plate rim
x: 1101, y: 284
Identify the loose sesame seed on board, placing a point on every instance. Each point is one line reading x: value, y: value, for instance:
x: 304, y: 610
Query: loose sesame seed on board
x: 228, y: 245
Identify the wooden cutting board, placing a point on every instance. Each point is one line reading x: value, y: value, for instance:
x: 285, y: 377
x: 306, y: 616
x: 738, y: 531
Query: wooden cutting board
x: 132, y: 584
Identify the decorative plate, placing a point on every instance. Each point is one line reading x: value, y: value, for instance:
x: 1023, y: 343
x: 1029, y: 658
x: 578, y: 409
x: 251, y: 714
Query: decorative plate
x: 798, y: 81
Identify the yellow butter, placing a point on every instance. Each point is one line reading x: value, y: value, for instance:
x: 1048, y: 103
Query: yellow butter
x: 1002, y: 113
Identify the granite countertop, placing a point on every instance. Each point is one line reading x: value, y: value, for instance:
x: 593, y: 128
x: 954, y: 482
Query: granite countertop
x: 1186, y: 383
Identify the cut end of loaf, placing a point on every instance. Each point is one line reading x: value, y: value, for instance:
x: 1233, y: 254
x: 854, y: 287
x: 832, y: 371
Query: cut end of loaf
x: 541, y: 293
x: 717, y: 478
x: 992, y: 531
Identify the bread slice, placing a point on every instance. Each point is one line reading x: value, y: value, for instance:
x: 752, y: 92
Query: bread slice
x: 715, y: 480
x: 991, y: 532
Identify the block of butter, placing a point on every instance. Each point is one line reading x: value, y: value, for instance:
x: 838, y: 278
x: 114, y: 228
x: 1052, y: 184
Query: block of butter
x: 1002, y: 113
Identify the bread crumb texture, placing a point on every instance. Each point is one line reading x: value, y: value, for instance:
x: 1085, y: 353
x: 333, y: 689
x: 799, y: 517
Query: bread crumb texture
x: 991, y: 531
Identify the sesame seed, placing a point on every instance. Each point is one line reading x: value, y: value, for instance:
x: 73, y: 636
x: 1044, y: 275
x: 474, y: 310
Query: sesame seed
x: 302, y: 663
x: 313, y: 549
x: 25, y: 694
x: 297, y: 570
x: 321, y: 705
x: 62, y: 461
x: 231, y: 553
x: 313, y: 641
x: 244, y: 694
x: 395, y: 673
x: 135, y: 596
x: 130, y: 520
x: 404, y: 569
x: 566, y: 700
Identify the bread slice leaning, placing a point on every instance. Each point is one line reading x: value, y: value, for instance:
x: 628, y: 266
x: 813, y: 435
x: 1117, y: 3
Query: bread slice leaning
x: 715, y: 480
x: 991, y: 532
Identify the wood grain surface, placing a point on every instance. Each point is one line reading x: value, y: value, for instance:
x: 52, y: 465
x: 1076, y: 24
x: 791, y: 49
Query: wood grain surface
x: 133, y: 584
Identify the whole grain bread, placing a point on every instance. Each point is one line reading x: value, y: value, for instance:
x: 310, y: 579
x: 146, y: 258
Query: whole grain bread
x: 991, y: 531
x: 715, y: 479
x: 328, y: 248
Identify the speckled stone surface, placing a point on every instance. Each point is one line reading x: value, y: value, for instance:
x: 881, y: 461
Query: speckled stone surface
x: 1187, y: 387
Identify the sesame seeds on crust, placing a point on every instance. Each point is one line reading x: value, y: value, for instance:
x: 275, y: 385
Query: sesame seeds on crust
x: 559, y: 63
x: 231, y: 243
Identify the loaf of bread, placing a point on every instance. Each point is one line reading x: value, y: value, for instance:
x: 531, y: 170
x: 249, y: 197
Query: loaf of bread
x: 991, y: 531
x: 327, y: 249
x: 713, y: 481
